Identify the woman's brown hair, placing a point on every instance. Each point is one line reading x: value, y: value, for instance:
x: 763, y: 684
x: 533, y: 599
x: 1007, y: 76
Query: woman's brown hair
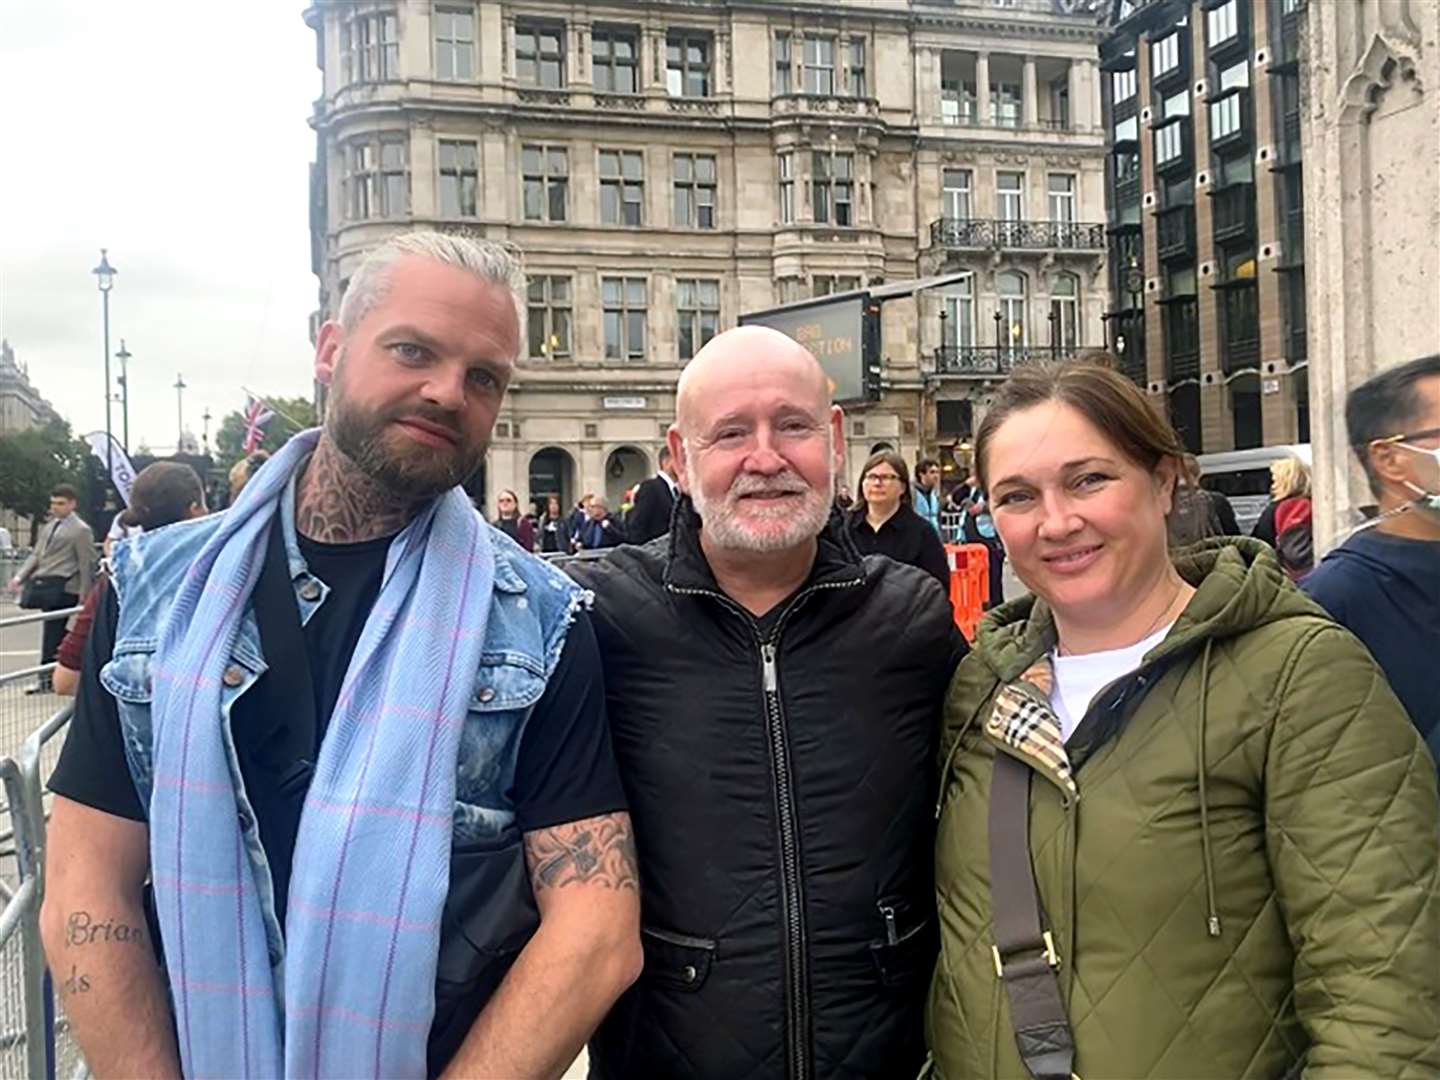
x: 1102, y: 395
x: 896, y: 462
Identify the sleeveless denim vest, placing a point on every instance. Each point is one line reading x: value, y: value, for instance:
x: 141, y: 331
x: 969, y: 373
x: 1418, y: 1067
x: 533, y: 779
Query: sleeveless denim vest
x: 531, y: 610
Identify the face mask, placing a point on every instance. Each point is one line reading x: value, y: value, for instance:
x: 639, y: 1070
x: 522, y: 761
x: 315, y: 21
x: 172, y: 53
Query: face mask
x: 985, y: 526
x: 1427, y: 500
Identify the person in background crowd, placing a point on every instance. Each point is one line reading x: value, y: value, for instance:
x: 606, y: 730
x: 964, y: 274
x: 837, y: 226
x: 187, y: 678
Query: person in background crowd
x: 1197, y: 513
x: 58, y: 573
x: 962, y: 495
x: 508, y: 519
x: 163, y: 493
x: 579, y: 515
x: 599, y: 529
x: 979, y: 528
x: 350, y: 639
x: 883, y: 523
x: 6, y: 544
x: 243, y: 471
x: 554, y: 527
x: 773, y: 698
x: 654, y: 501
x: 1178, y: 767
x: 1383, y: 583
x: 1285, y: 523
x: 843, y: 499
x: 927, y: 491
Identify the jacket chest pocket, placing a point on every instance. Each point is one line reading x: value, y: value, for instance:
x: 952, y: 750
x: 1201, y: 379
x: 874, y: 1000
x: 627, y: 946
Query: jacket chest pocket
x: 503, y: 697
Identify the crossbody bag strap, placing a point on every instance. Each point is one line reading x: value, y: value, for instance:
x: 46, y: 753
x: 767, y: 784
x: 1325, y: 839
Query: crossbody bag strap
x: 1024, y: 951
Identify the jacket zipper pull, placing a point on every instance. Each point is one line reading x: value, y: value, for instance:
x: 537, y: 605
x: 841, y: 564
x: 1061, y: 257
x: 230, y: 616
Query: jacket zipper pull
x: 892, y: 932
x: 767, y: 658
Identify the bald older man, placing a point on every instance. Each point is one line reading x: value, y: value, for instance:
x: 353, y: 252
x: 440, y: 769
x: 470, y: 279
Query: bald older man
x: 773, y: 701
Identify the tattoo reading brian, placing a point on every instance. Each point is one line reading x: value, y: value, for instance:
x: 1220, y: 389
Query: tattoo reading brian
x: 600, y: 850
x: 83, y: 929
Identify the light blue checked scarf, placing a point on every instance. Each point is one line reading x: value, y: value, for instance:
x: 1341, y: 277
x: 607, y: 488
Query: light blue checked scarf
x: 372, y: 858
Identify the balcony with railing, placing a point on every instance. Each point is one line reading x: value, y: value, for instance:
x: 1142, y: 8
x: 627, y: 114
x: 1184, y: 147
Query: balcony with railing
x: 982, y: 361
x: 980, y: 234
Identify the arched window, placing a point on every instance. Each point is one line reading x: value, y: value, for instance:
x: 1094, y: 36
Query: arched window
x: 1014, y: 332
x: 1065, y: 311
x: 960, y: 314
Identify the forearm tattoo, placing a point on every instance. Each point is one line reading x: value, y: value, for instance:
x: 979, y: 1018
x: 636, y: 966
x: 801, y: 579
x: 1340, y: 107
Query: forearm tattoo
x: 82, y: 930
x: 598, y: 850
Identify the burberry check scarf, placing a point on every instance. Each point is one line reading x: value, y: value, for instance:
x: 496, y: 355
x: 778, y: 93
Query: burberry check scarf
x: 371, y: 860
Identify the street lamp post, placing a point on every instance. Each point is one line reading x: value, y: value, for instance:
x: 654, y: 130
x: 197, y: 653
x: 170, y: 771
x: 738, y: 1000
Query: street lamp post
x: 1054, y: 318
x: 999, y: 345
x: 179, y: 412
x: 105, y: 278
x: 940, y: 352
x: 124, y: 357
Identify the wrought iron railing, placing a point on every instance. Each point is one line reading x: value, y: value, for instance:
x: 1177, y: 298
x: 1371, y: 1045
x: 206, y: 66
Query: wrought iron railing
x: 987, y: 234
x: 993, y: 360
x: 1182, y: 366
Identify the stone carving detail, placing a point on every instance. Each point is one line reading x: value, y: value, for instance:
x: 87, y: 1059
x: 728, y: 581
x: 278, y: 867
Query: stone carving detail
x: 695, y: 105
x: 620, y: 102
x: 1392, y: 52
x: 538, y: 96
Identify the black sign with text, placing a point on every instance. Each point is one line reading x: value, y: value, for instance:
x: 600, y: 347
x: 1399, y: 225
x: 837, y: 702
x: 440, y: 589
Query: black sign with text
x: 843, y: 334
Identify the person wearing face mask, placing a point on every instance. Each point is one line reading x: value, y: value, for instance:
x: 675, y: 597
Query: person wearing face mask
x: 1185, y: 829
x: 1383, y: 583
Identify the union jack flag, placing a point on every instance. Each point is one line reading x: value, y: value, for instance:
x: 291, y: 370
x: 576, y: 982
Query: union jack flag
x: 256, y: 417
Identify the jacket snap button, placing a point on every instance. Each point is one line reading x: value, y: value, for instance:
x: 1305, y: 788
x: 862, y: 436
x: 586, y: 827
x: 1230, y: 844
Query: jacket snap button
x: 487, y: 694
x: 233, y: 676
x: 310, y: 591
x: 689, y: 973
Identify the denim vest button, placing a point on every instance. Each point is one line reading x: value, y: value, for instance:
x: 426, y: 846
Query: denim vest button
x: 486, y: 695
x: 233, y: 676
x: 310, y: 591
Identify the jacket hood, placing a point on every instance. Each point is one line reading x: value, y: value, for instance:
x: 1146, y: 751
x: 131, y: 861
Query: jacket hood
x: 1239, y: 586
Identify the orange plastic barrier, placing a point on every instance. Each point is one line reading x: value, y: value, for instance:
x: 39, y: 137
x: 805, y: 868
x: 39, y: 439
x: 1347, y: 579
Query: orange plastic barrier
x: 969, y: 584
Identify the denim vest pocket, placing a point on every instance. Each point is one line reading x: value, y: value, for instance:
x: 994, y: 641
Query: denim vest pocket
x: 507, y: 685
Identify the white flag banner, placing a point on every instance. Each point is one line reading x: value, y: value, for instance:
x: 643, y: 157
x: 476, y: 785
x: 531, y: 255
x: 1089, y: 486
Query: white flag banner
x: 122, y: 473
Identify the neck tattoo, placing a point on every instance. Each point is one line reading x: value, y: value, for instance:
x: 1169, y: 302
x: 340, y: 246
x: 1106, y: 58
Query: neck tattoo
x: 337, y: 503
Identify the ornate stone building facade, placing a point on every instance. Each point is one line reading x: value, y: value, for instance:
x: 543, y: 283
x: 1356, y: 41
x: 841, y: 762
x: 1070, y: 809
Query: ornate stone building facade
x: 1372, y: 133
x: 1207, y: 215
x: 21, y: 409
x: 668, y: 166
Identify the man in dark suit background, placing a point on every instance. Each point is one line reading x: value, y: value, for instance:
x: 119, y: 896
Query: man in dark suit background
x: 654, y: 499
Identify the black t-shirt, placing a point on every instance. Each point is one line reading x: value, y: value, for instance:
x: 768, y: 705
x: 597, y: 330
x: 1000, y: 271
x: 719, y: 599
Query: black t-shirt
x: 354, y: 573
x: 565, y: 770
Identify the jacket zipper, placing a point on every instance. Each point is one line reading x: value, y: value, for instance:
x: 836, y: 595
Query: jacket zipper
x: 797, y: 989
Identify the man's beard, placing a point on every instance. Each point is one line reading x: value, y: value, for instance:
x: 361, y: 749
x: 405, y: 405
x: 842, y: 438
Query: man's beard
x: 401, y: 466
x: 797, y: 521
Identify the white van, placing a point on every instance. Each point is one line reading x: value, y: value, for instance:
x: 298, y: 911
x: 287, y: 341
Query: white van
x: 1243, y: 477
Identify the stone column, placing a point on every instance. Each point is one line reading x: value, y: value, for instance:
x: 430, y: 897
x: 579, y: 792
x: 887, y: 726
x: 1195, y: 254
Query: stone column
x: 982, y: 89
x: 1075, y: 82
x: 1030, y: 106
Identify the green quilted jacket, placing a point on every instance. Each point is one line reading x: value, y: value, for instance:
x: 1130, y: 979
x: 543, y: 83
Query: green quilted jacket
x: 1238, y: 851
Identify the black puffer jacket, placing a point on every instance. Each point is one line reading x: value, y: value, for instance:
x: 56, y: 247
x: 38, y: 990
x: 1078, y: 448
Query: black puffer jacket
x: 784, y: 835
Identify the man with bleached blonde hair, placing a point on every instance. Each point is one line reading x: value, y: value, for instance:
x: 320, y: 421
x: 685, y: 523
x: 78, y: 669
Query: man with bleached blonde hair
x: 773, y: 700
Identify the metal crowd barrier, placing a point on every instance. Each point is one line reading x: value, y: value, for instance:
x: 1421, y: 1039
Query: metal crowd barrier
x: 35, y: 1037
x: 35, y: 1040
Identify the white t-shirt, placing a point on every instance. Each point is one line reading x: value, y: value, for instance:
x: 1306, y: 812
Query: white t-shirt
x: 1079, y: 678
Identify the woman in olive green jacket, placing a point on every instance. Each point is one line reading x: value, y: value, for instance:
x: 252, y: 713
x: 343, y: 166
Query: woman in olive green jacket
x: 1233, y: 828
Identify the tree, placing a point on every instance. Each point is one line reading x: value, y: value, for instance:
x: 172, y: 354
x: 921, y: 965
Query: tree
x: 298, y: 414
x: 32, y: 462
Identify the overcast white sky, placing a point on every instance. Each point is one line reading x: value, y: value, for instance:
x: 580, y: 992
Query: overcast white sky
x: 173, y: 133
